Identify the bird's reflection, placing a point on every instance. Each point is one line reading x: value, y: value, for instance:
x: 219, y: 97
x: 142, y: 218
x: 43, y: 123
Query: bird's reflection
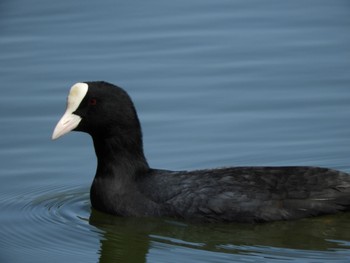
x: 130, y: 239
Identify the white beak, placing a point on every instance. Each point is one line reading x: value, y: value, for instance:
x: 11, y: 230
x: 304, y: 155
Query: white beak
x: 70, y: 121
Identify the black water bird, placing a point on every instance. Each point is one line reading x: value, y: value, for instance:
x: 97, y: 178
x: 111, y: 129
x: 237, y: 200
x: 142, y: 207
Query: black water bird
x: 125, y: 185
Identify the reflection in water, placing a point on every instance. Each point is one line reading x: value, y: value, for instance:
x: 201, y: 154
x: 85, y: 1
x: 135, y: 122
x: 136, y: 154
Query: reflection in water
x: 130, y: 239
x: 124, y: 240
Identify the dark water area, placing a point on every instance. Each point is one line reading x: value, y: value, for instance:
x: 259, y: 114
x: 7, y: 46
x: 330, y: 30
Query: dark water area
x: 215, y: 83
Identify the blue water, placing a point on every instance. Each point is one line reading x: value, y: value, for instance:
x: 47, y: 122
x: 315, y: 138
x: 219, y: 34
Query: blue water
x: 215, y: 83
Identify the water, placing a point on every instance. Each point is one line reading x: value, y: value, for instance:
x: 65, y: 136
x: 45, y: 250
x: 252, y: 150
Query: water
x: 216, y: 83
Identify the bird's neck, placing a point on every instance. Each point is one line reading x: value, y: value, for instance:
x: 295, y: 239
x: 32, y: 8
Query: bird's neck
x: 119, y: 158
x: 114, y: 189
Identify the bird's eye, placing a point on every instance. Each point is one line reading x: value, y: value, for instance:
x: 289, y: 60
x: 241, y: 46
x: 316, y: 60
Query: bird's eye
x: 92, y: 101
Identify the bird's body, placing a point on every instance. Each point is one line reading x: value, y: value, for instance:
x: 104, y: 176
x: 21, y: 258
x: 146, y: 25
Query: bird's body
x: 125, y: 185
x: 246, y: 194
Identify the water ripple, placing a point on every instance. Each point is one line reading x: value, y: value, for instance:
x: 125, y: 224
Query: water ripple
x: 53, y: 219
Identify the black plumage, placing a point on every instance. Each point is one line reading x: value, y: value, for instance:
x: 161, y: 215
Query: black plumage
x: 125, y: 185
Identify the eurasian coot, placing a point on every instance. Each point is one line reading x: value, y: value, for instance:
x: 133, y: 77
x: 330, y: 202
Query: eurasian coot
x: 125, y: 185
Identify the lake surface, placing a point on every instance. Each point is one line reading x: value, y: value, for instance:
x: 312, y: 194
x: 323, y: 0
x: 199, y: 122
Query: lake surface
x: 216, y: 83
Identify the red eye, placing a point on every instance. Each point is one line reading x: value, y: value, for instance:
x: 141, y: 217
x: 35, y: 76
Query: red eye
x: 92, y: 102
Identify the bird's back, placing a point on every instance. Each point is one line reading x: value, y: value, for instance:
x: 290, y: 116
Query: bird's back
x: 249, y: 194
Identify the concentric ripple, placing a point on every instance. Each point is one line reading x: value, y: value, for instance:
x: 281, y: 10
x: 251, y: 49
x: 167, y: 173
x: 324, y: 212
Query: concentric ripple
x: 51, y: 221
x: 68, y: 207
